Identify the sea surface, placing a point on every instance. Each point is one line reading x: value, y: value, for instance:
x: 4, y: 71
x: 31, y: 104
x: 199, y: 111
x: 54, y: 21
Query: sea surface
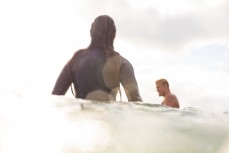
x: 57, y: 124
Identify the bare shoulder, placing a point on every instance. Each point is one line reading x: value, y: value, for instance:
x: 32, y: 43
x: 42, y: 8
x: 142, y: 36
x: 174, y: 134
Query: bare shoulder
x: 172, y: 101
x: 171, y: 97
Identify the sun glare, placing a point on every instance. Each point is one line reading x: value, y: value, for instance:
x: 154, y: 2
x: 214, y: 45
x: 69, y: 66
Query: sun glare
x: 88, y: 135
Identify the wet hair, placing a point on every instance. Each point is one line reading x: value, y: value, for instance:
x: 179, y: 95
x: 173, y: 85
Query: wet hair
x: 163, y: 82
x: 103, y: 32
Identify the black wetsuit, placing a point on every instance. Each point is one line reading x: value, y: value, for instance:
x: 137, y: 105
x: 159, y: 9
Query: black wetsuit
x: 85, y: 71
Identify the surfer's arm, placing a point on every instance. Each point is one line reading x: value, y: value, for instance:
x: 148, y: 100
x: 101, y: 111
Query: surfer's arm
x: 129, y: 83
x: 63, y: 82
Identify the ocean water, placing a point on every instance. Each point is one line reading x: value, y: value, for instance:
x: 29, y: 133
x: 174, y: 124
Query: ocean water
x: 56, y: 124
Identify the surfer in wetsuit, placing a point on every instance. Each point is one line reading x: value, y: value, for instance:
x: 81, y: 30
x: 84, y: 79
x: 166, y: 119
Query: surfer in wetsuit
x: 170, y: 99
x: 97, y: 71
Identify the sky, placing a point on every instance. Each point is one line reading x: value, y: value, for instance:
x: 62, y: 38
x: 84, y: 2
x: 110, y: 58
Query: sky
x: 184, y: 41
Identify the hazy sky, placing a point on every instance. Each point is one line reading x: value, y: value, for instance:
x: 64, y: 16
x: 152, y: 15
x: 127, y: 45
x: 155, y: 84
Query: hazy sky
x: 185, y: 41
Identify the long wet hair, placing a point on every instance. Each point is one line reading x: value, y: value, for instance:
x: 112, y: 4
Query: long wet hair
x: 103, y: 32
